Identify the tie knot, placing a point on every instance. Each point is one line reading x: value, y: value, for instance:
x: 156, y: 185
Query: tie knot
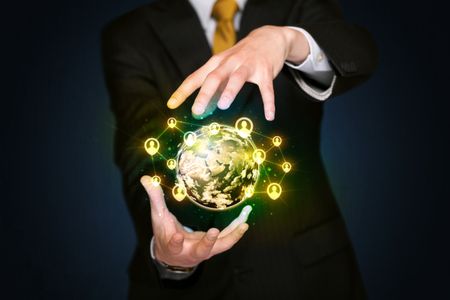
x: 224, y: 10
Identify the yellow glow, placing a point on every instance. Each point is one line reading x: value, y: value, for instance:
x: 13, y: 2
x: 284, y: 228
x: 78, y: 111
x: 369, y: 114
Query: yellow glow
x: 277, y: 141
x: 274, y: 191
x: 151, y: 145
x: 244, y: 127
x: 259, y: 156
x: 172, y: 122
x: 286, y: 167
x: 179, y: 192
x: 190, y: 138
x: 171, y: 163
x: 249, y: 191
x: 214, y: 128
x: 156, y: 180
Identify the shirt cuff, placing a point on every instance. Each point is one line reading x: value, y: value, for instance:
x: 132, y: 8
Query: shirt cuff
x: 165, y: 273
x: 316, y: 66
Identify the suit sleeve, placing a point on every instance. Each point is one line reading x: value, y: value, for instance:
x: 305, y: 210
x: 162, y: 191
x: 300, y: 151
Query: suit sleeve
x: 138, y: 110
x: 349, y: 48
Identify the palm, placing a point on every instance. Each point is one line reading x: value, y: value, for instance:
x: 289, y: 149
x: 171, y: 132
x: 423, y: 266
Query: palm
x: 178, y: 246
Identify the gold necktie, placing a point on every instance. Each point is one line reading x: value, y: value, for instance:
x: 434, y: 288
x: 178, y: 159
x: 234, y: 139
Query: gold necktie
x: 225, y: 36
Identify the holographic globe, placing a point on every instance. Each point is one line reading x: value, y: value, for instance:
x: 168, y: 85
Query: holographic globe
x: 216, y: 167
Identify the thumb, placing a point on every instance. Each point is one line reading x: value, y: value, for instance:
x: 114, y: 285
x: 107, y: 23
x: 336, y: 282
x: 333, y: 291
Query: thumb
x: 155, y: 193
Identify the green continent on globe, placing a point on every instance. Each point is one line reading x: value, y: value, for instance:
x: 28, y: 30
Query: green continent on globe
x: 218, y: 170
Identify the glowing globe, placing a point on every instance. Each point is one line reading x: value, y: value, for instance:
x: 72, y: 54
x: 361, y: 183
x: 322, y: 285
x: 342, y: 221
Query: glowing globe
x: 216, y: 167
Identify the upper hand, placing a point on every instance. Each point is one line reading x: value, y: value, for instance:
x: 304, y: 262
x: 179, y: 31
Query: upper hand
x: 258, y: 58
x: 177, y: 247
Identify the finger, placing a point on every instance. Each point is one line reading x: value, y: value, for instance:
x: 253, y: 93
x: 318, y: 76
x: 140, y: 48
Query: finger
x: 228, y: 241
x: 157, y: 203
x: 205, y: 245
x: 268, y: 98
x: 187, y: 87
x: 175, y: 244
x: 241, y: 219
x: 234, y: 85
x: 207, y: 91
x: 192, y: 83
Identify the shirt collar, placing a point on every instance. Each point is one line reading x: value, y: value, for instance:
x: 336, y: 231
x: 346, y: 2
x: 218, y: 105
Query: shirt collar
x: 204, y: 8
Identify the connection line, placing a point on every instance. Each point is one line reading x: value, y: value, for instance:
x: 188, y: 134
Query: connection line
x: 179, y: 130
x: 260, y: 134
x: 162, y: 133
x: 183, y: 122
x: 153, y: 164
x: 162, y: 155
x: 274, y: 163
x: 282, y: 177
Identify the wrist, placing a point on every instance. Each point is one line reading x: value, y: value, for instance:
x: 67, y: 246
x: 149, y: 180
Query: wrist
x: 297, y: 46
x: 167, y: 271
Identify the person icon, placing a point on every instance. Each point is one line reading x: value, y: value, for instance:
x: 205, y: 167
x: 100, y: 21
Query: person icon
x: 259, y: 156
x: 286, y: 167
x: 244, y: 127
x: 274, y: 191
x: 214, y: 128
x: 190, y: 138
x: 178, y: 192
x: 156, y: 180
x: 172, y: 122
x: 276, y: 141
x: 151, y: 145
x: 171, y: 164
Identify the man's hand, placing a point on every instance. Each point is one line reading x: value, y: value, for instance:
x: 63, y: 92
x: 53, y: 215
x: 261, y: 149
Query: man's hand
x: 258, y: 58
x: 177, y: 247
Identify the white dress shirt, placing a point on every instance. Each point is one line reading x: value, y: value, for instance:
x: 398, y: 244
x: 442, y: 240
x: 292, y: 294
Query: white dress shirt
x: 316, y: 66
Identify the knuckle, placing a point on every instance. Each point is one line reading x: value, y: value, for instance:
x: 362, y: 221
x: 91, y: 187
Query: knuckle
x: 189, y: 78
x: 233, y: 60
x: 238, y: 75
x: 215, y: 59
x: 214, y: 77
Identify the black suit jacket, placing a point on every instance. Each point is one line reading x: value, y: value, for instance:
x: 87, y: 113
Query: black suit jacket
x: 297, y: 247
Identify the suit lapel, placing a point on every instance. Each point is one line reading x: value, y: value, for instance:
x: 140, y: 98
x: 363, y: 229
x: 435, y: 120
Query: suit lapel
x: 179, y: 29
x: 258, y: 13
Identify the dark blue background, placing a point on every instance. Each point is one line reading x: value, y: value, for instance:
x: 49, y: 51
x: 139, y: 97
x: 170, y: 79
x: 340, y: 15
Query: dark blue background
x: 65, y: 230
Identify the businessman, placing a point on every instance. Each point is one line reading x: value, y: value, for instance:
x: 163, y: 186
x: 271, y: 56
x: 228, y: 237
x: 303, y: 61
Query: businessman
x: 276, y: 61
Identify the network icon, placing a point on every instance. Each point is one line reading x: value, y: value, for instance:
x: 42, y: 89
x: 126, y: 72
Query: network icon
x: 213, y: 168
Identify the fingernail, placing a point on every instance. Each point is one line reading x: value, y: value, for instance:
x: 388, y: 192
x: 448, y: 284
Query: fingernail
x: 246, y: 211
x: 198, y: 109
x: 212, y: 235
x: 224, y: 102
x: 270, y: 115
x: 171, y: 103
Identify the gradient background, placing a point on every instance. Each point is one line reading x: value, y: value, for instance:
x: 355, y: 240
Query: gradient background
x: 65, y: 230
